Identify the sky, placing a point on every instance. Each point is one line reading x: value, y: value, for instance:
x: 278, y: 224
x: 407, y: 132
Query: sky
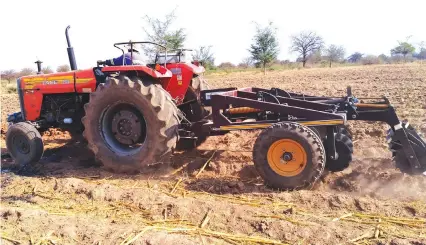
x: 32, y: 30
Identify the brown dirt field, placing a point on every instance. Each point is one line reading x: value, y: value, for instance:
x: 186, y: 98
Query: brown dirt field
x: 68, y: 199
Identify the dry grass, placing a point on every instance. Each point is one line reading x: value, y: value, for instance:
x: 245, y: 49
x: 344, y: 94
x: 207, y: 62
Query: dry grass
x: 377, y: 226
x: 7, y: 88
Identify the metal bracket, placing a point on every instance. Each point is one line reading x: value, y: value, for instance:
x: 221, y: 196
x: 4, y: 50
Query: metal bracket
x: 331, y: 142
x: 401, y: 134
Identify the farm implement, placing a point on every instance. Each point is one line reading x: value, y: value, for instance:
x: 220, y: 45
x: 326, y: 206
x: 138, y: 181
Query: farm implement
x: 303, y: 134
x: 136, y: 115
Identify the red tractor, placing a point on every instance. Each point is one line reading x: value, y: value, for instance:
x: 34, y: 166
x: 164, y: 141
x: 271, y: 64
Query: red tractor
x: 129, y: 113
x: 135, y: 115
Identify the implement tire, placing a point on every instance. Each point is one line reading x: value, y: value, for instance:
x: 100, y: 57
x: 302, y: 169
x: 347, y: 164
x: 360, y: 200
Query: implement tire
x: 344, y: 149
x: 345, y: 131
x: 289, y: 156
x: 130, y: 124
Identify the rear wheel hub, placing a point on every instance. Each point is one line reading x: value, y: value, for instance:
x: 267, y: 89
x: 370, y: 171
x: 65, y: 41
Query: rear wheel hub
x: 126, y: 127
x: 123, y: 127
x: 287, y: 157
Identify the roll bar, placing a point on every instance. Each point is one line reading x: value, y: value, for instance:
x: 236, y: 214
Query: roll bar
x: 142, y: 42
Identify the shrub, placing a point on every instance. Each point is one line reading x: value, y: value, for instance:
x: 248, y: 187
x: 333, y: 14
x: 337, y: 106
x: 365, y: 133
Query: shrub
x: 370, y: 60
x: 11, y: 88
x: 226, y: 65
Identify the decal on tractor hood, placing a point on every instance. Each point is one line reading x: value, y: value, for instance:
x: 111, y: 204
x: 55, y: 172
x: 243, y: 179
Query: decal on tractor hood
x: 56, y: 82
x: 29, y: 83
x: 178, y: 72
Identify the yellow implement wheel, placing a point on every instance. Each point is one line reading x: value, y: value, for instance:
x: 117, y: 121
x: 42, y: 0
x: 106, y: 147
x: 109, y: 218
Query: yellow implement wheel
x: 287, y: 157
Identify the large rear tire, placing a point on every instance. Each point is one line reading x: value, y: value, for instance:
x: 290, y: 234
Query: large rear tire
x: 130, y: 124
x: 289, y: 156
x: 24, y: 143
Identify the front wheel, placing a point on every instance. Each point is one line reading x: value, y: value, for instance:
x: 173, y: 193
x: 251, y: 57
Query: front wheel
x: 24, y: 143
x: 289, y: 156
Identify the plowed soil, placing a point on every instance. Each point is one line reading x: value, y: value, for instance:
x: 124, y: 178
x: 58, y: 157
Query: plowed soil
x: 68, y: 198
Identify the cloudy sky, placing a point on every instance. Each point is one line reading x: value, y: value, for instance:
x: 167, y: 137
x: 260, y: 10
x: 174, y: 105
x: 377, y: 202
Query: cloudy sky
x: 35, y: 29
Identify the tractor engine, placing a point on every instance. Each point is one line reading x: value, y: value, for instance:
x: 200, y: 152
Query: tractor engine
x: 64, y: 110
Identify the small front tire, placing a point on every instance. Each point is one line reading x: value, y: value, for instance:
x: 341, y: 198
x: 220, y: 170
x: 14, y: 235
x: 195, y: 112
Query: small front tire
x: 24, y: 143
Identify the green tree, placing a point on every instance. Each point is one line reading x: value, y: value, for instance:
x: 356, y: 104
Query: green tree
x: 204, y: 55
x: 159, y: 31
x: 306, y: 43
x: 404, y: 49
x: 334, y: 53
x: 264, y: 49
x: 355, y: 57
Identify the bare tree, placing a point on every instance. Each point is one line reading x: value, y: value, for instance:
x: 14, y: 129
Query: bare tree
x: 9, y: 75
x: 26, y: 72
x: 246, y: 63
x: 226, y: 65
x: 63, y: 68
x: 47, y: 70
x: 421, y: 55
x: 334, y: 53
x: 205, y: 56
x: 305, y: 43
x: 383, y: 59
x: 370, y: 60
x: 315, y: 57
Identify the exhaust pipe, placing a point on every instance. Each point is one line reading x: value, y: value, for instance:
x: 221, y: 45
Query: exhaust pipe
x: 38, y: 62
x: 70, y: 51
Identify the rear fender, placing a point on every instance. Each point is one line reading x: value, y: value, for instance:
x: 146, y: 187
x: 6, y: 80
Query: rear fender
x: 141, y: 70
x: 181, y: 80
x: 197, y: 70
